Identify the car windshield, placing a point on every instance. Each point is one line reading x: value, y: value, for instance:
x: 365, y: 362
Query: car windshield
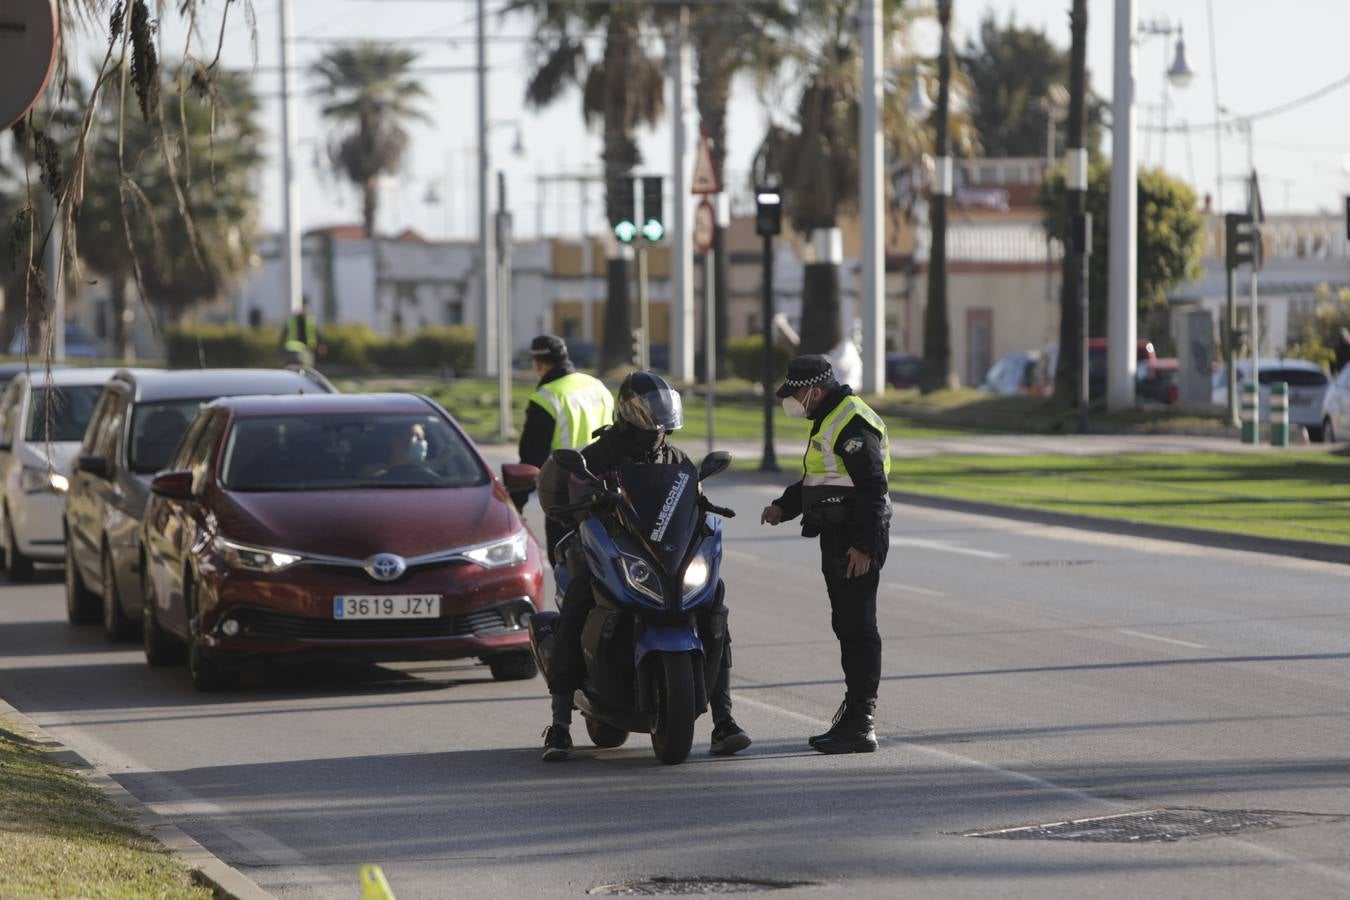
x: 1293, y: 377
x: 348, y: 451
x: 156, y: 429
x: 60, y: 414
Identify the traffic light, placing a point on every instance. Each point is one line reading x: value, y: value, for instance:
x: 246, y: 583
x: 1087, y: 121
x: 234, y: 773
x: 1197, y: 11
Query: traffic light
x: 621, y: 214
x: 653, y: 226
x: 768, y: 212
x: 1242, y: 241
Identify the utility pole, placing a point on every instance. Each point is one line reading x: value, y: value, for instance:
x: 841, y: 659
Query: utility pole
x: 292, y: 265
x: 1073, y: 317
x: 768, y: 223
x: 682, y: 337
x: 937, y: 349
x: 872, y: 206
x: 487, y: 312
x: 1123, y: 265
x: 505, y: 430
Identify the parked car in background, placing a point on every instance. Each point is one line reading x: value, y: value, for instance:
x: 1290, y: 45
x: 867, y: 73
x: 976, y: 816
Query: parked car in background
x: 902, y: 370
x: 1156, y: 381
x: 1307, y: 381
x: 1097, y: 356
x: 11, y: 370
x: 42, y: 421
x: 1016, y: 373
x: 1336, y: 408
x: 335, y: 527
x: 140, y: 418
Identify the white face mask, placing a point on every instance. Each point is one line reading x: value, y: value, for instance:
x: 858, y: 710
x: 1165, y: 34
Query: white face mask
x: 417, y: 450
x: 794, y: 407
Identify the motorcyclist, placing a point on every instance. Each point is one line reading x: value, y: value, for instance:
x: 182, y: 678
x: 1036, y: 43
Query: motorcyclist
x: 647, y: 411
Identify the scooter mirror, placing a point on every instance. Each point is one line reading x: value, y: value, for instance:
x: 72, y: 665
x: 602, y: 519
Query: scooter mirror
x: 573, y: 463
x: 713, y: 463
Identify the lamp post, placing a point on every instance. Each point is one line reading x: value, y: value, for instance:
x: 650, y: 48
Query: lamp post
x: 936, y: 372
x: 1123, y: 277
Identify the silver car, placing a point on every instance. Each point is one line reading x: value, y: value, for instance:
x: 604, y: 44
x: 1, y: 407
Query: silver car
x: 1307, y: 384
x: 1336, y: 408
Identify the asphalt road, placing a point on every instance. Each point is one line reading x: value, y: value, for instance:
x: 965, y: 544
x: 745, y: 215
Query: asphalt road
x: 1032, y: 675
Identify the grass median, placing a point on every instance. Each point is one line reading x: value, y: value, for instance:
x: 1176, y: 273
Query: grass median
x: 60, y: 837
x: 737, y: 415
x: 1300, y: 496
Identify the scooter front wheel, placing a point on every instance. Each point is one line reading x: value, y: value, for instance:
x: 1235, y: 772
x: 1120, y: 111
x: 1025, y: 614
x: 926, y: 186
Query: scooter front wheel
x: 673, y: 729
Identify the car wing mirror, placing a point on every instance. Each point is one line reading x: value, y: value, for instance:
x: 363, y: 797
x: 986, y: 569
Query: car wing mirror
x: 519, y: 476
x: 94, y: 465
x: 713, y: 463
x: 573, y: 463
x: 173, y: 485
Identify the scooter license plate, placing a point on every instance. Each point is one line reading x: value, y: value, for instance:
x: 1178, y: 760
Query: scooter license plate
x: 403, y: 606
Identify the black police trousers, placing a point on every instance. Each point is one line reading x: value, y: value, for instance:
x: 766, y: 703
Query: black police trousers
x: 567, y: 668
x: 853, y: 614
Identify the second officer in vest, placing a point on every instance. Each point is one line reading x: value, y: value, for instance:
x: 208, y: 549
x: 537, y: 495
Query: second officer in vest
x: 844, y: 498
x: 564, y: 412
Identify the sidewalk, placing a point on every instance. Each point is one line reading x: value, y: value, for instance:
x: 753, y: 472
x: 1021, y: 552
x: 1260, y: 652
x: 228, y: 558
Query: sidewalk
x: 997, y: 445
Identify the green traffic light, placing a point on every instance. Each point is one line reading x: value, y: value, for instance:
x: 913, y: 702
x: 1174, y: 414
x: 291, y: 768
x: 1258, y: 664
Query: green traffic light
x: 653, y: 230
x: 626, y: 231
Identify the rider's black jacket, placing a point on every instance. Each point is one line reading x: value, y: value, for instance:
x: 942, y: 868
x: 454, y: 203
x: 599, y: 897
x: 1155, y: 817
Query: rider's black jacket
x: 604, y: 457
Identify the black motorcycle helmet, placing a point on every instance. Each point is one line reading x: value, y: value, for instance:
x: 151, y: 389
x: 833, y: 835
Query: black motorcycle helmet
x: 648, y: 410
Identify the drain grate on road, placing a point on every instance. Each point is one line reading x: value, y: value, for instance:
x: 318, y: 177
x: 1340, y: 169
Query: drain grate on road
x: 1159, y: 825
x: 662, y: 886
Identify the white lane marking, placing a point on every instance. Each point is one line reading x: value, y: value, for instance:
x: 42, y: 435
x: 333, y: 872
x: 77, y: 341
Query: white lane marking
x: 1158, y: 637
x: 1271, y: 853
x: 946, y: 547
x: 913, y: 589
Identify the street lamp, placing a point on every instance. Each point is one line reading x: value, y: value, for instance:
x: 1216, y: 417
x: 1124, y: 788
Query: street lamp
x: 1122, y: 294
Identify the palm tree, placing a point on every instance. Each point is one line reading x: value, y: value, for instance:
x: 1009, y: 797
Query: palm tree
x: 621, y: 90
x: 371, y: 99
x: 729, y: 40
x: 817, y: 159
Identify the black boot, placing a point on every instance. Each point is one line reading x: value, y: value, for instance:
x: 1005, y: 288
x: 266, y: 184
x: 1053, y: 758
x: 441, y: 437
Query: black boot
x: 834, y: 725
x: 854, y: 733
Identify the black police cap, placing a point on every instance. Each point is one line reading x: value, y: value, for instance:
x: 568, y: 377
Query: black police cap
x: 548, y: 346
x: 806, y: 371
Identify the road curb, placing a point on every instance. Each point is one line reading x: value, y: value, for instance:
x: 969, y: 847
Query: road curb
x: 1222, y: 540
x: 225, y: 881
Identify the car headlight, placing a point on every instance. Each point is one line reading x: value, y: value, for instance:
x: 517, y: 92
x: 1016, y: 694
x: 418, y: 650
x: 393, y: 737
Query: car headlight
x: 257, y: 559
x: 641, y: 577
x: 696, y: 576
x: 37, y: 480
x: 506, y: 552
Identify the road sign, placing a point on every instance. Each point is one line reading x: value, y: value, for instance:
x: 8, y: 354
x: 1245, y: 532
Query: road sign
x: 705, y: 175
x: 29, y: 34
x: 705, y: 227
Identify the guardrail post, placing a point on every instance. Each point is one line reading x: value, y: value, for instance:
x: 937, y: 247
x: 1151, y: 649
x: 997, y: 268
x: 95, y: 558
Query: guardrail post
x: 1279, y: 414
x: 1251, y: 422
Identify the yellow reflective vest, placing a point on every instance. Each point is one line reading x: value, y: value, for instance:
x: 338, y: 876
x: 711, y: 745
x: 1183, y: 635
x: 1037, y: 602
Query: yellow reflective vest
x: 580, y: 405
x: 825, y: 473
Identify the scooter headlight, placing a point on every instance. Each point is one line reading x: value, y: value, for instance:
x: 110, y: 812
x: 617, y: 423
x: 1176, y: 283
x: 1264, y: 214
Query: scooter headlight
x: 641, y: 577
x: 696, y: 576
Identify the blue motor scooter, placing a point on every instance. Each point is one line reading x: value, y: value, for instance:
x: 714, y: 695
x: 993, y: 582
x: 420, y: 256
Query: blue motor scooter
x: 652, y: 547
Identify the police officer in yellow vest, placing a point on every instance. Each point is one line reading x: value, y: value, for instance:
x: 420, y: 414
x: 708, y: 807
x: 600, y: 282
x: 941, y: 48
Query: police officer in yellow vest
x: 844, y: 498
x: 564, y: 412
x: 301, y: 338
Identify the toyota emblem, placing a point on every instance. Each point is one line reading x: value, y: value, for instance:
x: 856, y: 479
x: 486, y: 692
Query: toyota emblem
x: 385, y: 566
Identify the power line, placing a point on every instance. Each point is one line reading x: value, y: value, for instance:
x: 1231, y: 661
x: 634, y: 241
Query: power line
x: 1267, y: 113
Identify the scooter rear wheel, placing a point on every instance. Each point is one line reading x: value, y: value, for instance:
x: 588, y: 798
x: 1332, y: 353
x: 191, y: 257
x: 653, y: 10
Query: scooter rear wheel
x: 673, y: 731
x: 605, y: 736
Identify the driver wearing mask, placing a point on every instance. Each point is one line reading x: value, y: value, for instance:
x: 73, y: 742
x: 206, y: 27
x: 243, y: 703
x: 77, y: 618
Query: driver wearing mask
x: 647, y: 411
x: 406, y: 447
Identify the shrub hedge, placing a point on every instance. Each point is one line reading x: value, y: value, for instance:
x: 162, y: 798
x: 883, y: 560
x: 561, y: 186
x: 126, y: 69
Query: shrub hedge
x: 745, y: 357
x: 350, y: 348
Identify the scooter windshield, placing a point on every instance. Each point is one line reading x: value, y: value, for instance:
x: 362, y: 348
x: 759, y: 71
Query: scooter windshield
x: 665, y: 499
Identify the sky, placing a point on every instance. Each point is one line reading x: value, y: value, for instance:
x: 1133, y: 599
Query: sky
x: 1262, y: 59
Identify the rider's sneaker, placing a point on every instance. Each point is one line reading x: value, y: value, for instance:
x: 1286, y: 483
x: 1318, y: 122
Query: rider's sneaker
x: 557, y: 743
x: 728, y: 738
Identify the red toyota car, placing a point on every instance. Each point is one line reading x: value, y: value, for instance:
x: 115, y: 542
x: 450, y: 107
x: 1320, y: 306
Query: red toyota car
x: 335, y: 527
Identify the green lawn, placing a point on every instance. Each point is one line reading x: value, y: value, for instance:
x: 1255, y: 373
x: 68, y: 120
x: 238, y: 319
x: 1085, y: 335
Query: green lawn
x: 59, y: 837
x: 1303, y: 496
x: 738, y: 416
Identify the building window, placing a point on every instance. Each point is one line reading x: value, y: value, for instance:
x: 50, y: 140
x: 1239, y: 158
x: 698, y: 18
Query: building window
x: 454, y: 312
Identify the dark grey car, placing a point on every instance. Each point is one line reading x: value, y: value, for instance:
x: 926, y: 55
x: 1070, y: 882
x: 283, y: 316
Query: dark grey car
x: 140, y: 418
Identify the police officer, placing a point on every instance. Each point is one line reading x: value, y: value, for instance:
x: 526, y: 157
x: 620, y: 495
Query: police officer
x: 300, y: 340
x: 844, y: 497
x: 564, y: 412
